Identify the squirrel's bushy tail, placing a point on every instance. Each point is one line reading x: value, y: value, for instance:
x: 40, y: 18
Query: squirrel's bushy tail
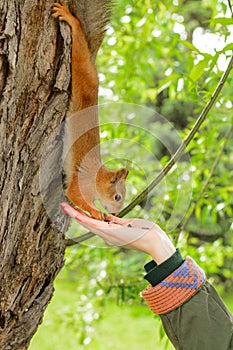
x: 94, y: 16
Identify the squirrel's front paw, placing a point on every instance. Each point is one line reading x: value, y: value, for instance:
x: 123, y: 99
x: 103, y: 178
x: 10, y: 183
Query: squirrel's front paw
x: 98, y: 215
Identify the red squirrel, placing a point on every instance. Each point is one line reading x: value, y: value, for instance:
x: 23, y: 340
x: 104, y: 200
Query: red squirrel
x: 88, y: 179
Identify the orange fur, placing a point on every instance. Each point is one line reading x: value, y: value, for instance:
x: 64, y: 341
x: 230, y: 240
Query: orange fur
x: 88, y: 179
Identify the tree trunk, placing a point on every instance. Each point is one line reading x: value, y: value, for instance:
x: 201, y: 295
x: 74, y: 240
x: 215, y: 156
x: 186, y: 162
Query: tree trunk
x: 34, y: 80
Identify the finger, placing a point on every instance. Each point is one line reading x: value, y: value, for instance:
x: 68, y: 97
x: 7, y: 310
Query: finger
x: 142, y: 224
x: 110, y: 244
x: 85, y: 219
x: 120, y: 221
x: 69, y: 210
x: 132, y: 222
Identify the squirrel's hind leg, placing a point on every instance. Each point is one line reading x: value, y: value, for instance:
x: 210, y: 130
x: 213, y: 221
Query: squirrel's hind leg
x: 62, y: 11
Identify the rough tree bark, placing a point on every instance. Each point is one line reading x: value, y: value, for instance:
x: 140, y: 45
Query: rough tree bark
x: 34, y: 80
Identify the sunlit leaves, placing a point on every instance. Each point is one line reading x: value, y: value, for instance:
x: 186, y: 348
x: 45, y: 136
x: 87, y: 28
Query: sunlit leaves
x: 222, y: 20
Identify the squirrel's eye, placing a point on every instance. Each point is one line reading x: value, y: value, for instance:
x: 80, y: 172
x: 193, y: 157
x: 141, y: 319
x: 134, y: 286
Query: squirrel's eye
x: 117, y: 197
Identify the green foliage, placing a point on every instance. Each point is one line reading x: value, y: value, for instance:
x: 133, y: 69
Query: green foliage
x: 154, y: 54
x: 165, y: 57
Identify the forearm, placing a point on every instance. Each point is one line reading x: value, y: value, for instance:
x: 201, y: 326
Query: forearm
x: 193, y: 314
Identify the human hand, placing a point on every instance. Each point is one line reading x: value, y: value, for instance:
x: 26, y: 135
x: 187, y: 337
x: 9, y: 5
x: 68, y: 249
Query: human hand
x: 138, y: 234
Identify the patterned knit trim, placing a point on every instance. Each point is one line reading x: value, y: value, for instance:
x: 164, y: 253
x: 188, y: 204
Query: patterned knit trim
x: 176, y: 289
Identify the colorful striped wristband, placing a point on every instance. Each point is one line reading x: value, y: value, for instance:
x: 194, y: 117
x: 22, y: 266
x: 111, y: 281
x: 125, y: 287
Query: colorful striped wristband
x: 175, y: 289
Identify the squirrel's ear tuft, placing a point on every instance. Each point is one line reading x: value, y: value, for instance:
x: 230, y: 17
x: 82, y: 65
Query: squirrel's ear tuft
x: 122, y: 173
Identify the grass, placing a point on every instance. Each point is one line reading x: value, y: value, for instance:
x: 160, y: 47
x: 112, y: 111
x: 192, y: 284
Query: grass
x: 121, y: 327
x: 129, y: 327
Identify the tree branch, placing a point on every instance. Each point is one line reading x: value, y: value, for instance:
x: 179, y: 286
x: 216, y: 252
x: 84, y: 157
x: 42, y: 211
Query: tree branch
x: 173, y: 159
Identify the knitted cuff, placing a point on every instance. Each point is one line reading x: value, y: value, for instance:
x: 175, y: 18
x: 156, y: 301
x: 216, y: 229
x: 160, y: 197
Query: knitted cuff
x: 175, y: 289
x: 157, y: 273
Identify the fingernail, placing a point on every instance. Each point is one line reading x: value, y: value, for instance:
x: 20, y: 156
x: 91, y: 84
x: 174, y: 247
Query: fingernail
x: 64, y: 206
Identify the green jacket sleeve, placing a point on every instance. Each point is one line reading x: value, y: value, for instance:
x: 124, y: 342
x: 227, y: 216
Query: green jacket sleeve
x: 193, y: 314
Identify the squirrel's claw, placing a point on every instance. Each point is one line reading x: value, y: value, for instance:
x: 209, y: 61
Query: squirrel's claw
x: 62, y: 12
x: 98, y: 215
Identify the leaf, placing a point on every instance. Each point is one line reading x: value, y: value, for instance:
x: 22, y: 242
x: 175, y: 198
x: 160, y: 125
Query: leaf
x: 150, y: 93
x: 198, y: 70
x: 189, y: 45
x: 167, y: 82
x: 227, y: 48
x: 161, y: 332
x: 198, y: 213
x: 222, y: 20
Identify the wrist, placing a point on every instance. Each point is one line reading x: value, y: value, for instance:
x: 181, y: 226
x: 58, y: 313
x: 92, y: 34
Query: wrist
x: 161, y: 247
x: 163, y: 254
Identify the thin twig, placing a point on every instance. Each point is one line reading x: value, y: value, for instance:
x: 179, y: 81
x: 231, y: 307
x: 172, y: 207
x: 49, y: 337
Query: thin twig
x: 175, y: 157
x: 230, y: 7
x: 206, y: 183
x: 77, y: 240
